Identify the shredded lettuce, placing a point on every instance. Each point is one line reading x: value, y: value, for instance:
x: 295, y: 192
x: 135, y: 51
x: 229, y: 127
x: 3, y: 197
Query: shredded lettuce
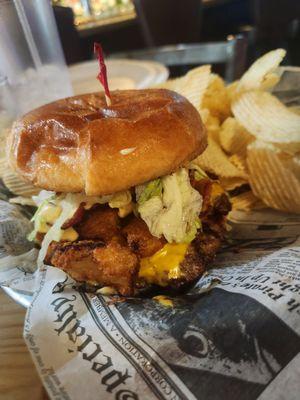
x: 69, y: 204
x: 151, y: 189
x: 199, y: 173
x: 43, y: 196
x: 120, y: 199
x: 195, y: 226
x: 31, y: 236
x: 173, y: 210
x: 40, y: 223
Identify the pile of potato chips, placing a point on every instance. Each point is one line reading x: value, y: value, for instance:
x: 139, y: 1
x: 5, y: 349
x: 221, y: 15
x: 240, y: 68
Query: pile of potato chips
x: 253, y: 139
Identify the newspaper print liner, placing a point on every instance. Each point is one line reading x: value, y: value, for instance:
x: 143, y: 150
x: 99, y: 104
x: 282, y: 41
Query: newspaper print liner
x: 203, y: 347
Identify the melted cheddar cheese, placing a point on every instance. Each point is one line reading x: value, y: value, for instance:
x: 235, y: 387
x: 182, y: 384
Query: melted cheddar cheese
x: 164, y: 301
x: 216, y: 191
x: 163, y: 265
x: 47, y: 216
x: 69, y: 234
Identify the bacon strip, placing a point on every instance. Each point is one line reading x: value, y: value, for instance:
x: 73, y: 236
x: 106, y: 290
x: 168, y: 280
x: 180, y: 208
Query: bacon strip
x: 76, y: 218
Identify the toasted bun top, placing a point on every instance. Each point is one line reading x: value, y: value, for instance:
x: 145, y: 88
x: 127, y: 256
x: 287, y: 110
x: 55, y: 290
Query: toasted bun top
x: 78, y: 144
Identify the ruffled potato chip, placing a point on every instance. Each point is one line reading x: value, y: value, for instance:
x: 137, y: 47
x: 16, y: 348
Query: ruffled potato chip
x: 215, y: 161
x: 213, y: 126
x: 192, y: 85
x: 270, y: 81
x: 17, y: 186
x: 231, y: 91
x: 291, y: 163
x: 239, y: 161
x: 261, y: 73
x: 234, y: 138
x: 170, y: 84
x: 246, y: 201
x: 3, y: 160
x: 205, y: 115
x: 268, y: 119
x: 232, y: 183
x: 23, y: 201
x: 3, y: 167
x: 271, y: 179
x: 216, y: 98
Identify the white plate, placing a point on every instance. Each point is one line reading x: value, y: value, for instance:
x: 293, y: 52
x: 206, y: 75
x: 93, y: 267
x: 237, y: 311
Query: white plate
x: 122, y: 74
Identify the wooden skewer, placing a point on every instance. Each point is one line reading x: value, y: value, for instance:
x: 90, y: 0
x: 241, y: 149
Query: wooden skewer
x: 108, y: 100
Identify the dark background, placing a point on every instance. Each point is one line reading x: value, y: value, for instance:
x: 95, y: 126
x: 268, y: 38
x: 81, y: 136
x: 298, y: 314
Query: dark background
x: 266, y: 24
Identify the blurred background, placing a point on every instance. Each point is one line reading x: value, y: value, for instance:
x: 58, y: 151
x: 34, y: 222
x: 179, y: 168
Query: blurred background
x: 46, y: 46
x: 124, y: 25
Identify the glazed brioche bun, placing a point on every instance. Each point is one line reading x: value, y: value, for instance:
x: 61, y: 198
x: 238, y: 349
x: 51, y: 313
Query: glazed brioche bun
x: 78, y: 144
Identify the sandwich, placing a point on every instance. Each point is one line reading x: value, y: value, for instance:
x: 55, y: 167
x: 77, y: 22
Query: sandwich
x: 122, y: 204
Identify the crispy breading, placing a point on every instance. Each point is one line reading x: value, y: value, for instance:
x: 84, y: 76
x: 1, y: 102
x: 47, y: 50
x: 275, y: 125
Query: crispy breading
x: 74, y: 258
x: 198, y: 256
x: 192, y: 267
x: 222, y: 204
x: 207, y: 245
x: 140, y: 240
x: 97, y: 263
x: 100, y: 222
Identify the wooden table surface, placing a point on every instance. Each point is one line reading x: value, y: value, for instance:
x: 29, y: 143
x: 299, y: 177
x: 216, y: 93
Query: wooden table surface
x: 18, y: 377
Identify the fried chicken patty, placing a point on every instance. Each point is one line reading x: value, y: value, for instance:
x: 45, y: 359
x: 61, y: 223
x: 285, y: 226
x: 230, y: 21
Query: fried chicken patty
x: 199, y: 254
x: 109, y: 249
x: 100, y: 222
x: 95, y: 262
x: 139, y: 238
x: 114, y: 264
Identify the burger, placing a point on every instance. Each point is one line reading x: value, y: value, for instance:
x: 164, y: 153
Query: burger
x: 123, y: 204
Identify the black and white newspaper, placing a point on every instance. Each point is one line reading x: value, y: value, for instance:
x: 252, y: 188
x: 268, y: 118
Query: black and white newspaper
x: 234, y: 335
